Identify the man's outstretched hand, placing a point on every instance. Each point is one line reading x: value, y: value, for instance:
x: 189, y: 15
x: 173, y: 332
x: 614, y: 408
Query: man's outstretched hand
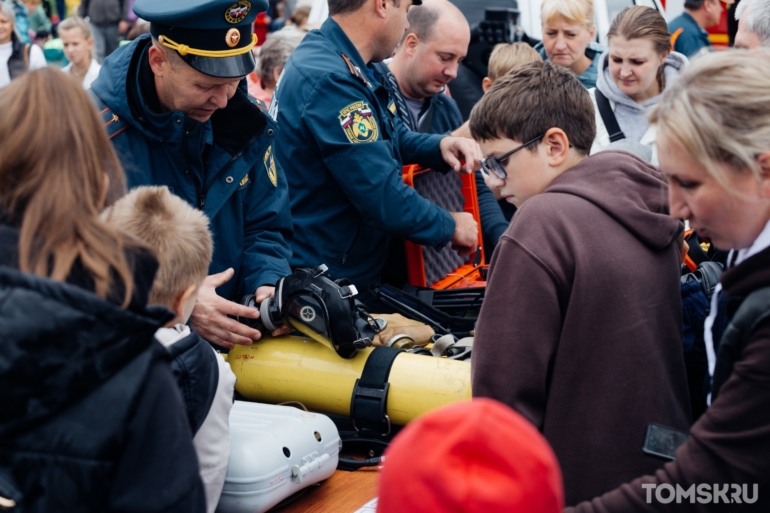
x: 210, y: 315
x: 461, y: 154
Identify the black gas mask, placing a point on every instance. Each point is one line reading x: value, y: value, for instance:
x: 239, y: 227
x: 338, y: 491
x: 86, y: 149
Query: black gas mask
x: 312, y: 303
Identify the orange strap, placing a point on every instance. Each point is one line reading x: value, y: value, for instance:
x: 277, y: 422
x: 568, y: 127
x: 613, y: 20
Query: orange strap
x: 686, y: 259
x: 675, y: 36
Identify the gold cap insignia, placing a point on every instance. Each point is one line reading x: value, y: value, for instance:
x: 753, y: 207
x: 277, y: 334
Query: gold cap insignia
x: 233, y: 37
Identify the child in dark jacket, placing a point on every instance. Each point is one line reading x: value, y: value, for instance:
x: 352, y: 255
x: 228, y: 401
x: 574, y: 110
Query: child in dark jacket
x: 91, y: 419
x: 179, y: 236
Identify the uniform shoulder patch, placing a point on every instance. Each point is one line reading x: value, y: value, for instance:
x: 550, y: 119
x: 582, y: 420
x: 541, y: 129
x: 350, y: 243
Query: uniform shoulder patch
x: 259, y: 103
x: 392, y: 106
x: 269, y: 161
x: 358, y: 123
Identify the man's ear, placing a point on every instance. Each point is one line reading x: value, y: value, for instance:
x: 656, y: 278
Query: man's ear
x: 713, y: 6
x: 486, y: 84
x: 557, y: 146
x: 381, y: 8
x: 158, y: 58
x: 764, y: 169
x: 411, y: 42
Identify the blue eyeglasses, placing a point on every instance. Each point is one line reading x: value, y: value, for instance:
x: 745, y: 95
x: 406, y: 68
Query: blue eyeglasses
x: 494, y: 165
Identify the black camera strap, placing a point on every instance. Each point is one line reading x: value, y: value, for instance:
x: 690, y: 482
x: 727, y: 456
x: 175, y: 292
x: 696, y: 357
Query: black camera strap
x: 608, y: 116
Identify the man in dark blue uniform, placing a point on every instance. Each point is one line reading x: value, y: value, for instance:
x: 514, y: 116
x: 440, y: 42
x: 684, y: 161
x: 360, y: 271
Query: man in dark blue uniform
x: 424, y: 63
x: 688, y: 30
x: 342, y: 147
x: 176, y: 108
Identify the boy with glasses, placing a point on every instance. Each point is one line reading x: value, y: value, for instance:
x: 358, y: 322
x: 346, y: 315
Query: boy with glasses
x: 580, y: 330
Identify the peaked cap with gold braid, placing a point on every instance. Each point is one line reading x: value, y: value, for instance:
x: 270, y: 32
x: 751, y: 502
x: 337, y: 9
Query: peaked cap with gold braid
x: 215, y: 37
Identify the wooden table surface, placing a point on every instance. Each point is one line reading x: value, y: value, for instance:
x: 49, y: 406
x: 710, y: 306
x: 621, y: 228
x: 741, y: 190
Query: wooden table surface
x: 343, y: 492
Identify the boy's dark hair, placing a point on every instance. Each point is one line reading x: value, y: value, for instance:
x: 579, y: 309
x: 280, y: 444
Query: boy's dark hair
x: 345, y: 6
x: 529, y: 100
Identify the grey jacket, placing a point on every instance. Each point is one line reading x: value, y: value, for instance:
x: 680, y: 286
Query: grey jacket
x: 632, y: 117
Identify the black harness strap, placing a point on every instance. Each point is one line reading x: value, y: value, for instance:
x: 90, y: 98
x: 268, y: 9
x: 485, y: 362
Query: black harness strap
x: 368, y: 406
x: 608, y: 116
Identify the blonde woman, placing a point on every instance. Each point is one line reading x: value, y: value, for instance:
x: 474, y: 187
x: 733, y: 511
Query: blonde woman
x: 568, y: 35
x: 714, y: 146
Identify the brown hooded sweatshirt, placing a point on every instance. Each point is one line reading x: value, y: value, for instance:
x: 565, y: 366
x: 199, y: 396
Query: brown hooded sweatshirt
x: 581, y: 326
x: 730, y: 444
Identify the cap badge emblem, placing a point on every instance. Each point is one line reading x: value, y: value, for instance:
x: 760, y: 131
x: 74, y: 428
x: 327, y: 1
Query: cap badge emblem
x: 237, y: 12
x: 233, y: 37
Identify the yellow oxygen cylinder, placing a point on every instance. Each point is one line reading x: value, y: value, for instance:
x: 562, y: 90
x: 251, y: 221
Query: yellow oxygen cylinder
x: 289, y: 368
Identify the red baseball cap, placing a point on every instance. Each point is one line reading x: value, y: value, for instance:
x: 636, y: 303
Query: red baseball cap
x: 472, y: 457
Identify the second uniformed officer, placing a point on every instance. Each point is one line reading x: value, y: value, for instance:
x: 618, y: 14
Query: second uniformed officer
x: 176, y: 109
x: 342, y: 148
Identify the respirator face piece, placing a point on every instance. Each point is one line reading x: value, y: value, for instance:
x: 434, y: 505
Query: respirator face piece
x: 325, y: 310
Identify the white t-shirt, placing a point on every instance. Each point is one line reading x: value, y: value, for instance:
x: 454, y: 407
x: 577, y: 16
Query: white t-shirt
x: 91, y: 74
x: 36, y: 61
x: 762, y: 243
x: 212, y: 441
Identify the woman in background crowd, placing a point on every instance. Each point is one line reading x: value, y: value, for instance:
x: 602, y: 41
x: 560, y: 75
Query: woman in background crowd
x: 299, y: 17
x: 633, y: 74
x: 16, y: 57
x: 714, y: 146
x: 273, y: 56
x: 568, y: 34
x: 38, y: 20
x: 91, y: 417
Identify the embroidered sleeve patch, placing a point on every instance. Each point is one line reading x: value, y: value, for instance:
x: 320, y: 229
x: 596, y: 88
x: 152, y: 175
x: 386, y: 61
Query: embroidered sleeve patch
x: 270, y: 166
x: 357, y: 120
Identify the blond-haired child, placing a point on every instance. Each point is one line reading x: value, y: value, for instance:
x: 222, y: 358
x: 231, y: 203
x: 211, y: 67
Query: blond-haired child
x: 179, y: 236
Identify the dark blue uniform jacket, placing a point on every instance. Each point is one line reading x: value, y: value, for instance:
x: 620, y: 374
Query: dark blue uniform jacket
x: 446, y: 117
x: 226, y: 167
x: 342, y: 147
x: 692, y: 38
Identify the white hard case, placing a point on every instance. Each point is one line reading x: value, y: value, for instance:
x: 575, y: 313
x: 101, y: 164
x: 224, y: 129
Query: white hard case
x: 275, y: 451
